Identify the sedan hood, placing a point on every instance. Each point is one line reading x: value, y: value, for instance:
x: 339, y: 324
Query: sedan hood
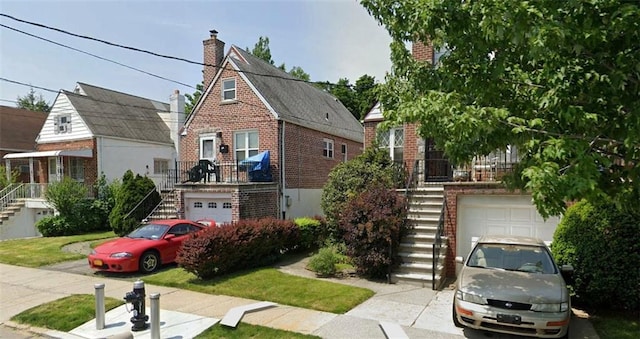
x: 123, y: 245
x: 514, y: 286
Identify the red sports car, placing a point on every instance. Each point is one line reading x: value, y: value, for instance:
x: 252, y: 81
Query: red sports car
x: 144, y: 249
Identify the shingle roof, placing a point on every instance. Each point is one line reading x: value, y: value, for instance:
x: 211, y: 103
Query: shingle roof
x: 19, y: 128
x: 116, y: 114
x: 299, y: 102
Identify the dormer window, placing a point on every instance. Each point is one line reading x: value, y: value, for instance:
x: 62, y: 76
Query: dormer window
x: 229, y: 89
x: 62, y: 124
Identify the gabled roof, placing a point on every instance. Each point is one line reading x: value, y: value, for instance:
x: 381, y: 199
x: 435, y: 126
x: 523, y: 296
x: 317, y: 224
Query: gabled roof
x: 115, y: 114
x: 296, y: 101
x: 19, y: 128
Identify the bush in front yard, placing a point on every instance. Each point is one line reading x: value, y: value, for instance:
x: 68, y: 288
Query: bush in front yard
x: 134, y: 199
x: 55, y: 226
x: 602, y: 243
x: 236, y: 246
x: 313, y: 233
x: 373, y: 224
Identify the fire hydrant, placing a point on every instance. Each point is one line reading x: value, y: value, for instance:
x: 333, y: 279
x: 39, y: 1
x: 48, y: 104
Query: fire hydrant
x: 137, y: 300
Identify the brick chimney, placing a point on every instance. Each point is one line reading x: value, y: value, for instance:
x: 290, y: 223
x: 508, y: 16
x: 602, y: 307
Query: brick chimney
x: 213, y: 54
x: 422, y: 51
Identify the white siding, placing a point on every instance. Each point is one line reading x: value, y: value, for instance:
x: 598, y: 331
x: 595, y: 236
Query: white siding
x: 79, y: 130
x: 116, y: 156
x: 303, y: 203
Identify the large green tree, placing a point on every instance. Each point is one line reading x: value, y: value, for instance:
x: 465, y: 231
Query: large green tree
x: 33, y: 102
x: 560, y: 80
x: 358, y: 98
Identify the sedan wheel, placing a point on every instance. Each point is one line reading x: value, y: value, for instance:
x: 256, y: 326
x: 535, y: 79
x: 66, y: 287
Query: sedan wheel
x: 149, y: 262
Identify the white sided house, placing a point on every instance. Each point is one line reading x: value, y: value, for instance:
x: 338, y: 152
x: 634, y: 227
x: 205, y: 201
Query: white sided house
x: 92, y: 131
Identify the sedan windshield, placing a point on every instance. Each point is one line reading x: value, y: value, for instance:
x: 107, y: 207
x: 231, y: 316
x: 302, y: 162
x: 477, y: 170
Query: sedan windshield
x: 150, y: 231
x: 531, y: 259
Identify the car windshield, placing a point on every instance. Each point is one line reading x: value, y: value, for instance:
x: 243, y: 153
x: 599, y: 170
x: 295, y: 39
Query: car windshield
x: 150, y: 231
x: 523, y: 258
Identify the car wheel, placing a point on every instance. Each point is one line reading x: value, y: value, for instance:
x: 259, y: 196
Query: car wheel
x: 455, y: 316
x: 149, y: 262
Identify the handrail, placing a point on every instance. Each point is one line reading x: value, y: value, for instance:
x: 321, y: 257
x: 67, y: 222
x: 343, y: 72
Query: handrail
x: 160, y: 204
x: 139, y: 203
x: 437, y: 245
x: 20, y: 191
x: 4, y: 191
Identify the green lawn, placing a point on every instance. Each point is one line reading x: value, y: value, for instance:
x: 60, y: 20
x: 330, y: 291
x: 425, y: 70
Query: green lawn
x: 269, y: 284
x: 36, y: 252
x: 617, y: 325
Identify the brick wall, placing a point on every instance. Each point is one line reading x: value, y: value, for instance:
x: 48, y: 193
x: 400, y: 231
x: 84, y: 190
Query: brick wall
x: 411, y: 141
x: 306, y: 166
x: 422, y: 52
x: 452, y: 192
x: 90, y: 164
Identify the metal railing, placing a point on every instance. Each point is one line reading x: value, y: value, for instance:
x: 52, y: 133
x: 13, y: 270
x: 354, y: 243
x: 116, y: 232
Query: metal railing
x: 14, y: 192
x: 209, y: 172
x: 159, y: 209
x: 140, y: 211
x: 437, y: 245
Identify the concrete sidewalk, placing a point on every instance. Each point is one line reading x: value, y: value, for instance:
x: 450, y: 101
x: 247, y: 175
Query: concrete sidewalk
x: 421, y: 312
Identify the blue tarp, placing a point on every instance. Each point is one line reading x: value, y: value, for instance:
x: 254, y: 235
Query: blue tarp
x: 258, y: 167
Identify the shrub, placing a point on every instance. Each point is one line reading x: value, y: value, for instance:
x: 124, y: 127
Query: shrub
x: 601, y: 242
x: 54, y: 226
x: 13, y: 177
x: 236, y: 246
x: 312, y: 232
x: 65, y: 196
x: 134, y: 199
x: 373, y: 224
x: 351, y: 178
x: 324, y: 263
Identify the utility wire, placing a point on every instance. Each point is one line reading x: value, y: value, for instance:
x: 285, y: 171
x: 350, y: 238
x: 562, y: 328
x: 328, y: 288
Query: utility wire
x: 290, y: 78
x: 97, y: 56
x: 129, y: 118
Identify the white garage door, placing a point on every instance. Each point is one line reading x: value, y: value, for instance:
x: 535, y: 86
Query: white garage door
x: 203, y: 208
x: 480, y: 215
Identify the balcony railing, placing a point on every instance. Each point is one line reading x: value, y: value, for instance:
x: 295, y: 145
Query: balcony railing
x: 214, y: 173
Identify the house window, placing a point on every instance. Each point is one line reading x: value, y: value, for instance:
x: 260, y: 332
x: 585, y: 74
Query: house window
x: 76, y: 169
x: 393, y: 141
x: 53, y: 170
x: 229, y: 89
x: 226, y: 205
x: 197, y: 204
x: 208, y: 146
x: 343, y: 149
x: 246, y: 144
x: 160, y: 166
x: 62, y: 123
x: 212, y: 205
x: 327, y: 150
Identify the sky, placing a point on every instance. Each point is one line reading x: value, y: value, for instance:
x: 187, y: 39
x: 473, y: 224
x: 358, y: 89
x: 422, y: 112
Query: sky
x: 329, y: 39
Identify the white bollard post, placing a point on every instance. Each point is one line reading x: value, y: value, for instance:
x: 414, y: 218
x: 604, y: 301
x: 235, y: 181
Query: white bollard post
x: 155, y: 315
x: 99, y: 306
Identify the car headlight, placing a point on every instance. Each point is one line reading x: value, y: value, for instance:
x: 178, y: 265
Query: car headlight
x: 121, y: 255
x: 93, y: 252
x: 472, y: 298
x: 559, y: 307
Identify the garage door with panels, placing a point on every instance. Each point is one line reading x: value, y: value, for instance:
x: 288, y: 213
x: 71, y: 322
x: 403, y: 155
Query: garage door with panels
x: 480, y: 215
x: 218, y: 208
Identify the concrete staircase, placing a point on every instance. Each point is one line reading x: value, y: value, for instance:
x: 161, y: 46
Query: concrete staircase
x: 10, y: 210
x: 167, y: 207
x: 416, y: 249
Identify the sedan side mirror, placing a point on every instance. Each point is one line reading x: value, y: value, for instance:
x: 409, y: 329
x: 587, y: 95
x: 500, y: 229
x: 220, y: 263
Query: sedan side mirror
x: 169, y: 236
x: 460, y: 260
x: 566, y: 269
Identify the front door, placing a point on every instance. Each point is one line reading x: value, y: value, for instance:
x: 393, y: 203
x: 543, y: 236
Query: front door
x: 437, y: 167
x: 55, y: 169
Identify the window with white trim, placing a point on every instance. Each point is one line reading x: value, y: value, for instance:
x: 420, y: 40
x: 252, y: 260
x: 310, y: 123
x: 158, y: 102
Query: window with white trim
x: 160, y: 166
x: 393, y: 141
x: 62, y: 123
x: 246, y: 144
x: 327, y: 149
x: 343, y: 149
x: 228, y: 89
x: 208, y: 146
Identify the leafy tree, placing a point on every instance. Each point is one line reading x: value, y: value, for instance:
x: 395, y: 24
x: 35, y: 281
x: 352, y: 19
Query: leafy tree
x: 358, y: 98
x: 65, y: 196
x: 192, y: 99
x: 33, y: 102
x: 261, y: 50
x: 559, y: 80
x: 134, y: 200
x: 345, y: 93
x: 13, y: 177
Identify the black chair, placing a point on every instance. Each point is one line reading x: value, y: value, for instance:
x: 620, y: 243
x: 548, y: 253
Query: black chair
x: 207, y: 168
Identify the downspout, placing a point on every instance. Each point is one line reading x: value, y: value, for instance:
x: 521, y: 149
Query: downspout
x: 283, y: 203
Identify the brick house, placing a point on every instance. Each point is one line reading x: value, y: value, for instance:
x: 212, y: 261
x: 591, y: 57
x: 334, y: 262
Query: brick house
x: 92, y: 131
x: 249, y: 107
x: 450, y: 205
